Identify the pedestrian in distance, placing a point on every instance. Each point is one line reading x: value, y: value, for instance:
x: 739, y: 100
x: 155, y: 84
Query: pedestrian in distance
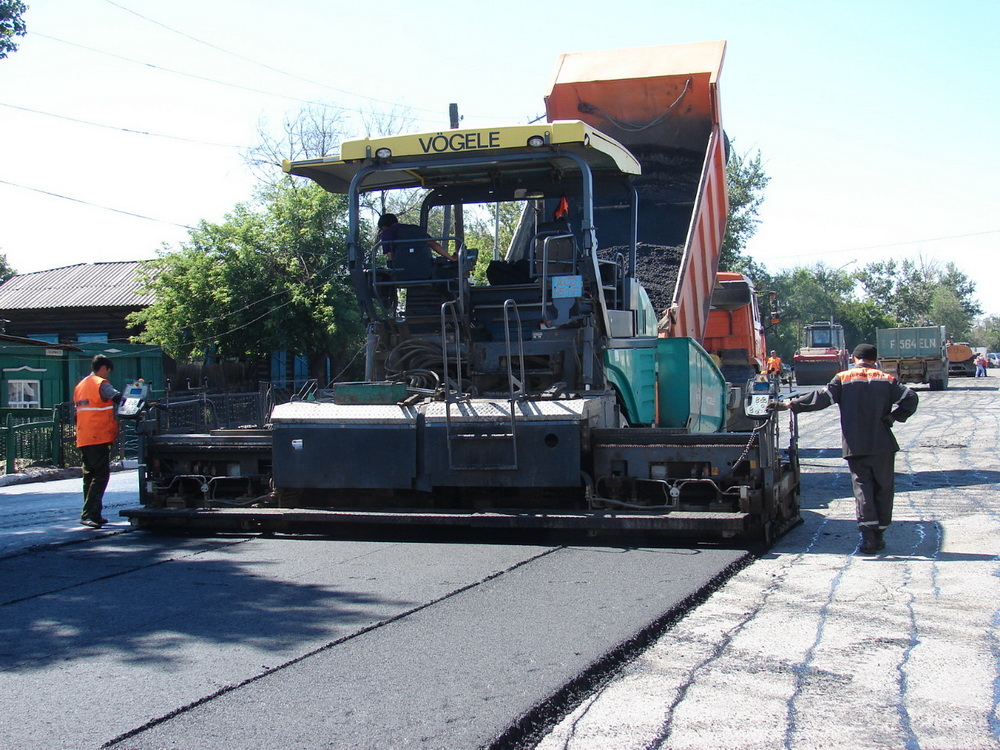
x: 96, y: 431
x: 981, y: 363
x: 870, y: 401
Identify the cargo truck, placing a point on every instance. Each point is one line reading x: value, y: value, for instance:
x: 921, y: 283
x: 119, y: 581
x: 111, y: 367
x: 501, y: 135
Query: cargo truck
x: 556, y: 396
x: 914, y: 355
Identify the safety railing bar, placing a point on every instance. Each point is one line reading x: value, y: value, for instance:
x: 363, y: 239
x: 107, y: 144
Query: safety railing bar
x: 447, y: 307
x: 509, y: 305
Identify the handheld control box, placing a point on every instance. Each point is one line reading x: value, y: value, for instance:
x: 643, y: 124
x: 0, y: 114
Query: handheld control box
x: 760, y: 392
x: 134, y: 398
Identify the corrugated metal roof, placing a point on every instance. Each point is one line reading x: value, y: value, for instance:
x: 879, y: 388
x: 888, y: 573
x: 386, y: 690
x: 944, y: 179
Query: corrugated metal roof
x: 112, y: 284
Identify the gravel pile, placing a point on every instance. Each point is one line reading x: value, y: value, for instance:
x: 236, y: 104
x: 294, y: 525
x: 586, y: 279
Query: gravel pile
x: 667, y: 188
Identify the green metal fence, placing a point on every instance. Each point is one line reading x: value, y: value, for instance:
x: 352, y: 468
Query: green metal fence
x: 47, y: 437
x: 29, y: 437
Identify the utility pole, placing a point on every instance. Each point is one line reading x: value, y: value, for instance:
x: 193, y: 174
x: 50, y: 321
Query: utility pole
x: 453, y: 121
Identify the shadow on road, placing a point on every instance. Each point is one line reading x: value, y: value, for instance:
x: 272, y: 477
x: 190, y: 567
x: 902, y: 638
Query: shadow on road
x: 936, y: 479
x: 137, y: 597
x: 905, y: 540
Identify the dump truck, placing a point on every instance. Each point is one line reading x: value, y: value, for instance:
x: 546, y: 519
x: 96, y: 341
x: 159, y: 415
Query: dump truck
x: 556, y: 396
x: 734, y: 332
x: 914, y: 355
x: 734, y: 335
x: 822, y: 354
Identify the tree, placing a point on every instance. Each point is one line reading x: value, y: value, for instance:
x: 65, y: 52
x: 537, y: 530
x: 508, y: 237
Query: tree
x: 861, y: 319
x: 271, y: 276
x: 11, y: 25
x: 922, y: 293
x: 6, y: 271
x: 987, y: 333
x: 746, y: 180
x: 946, y: 309
x: 483, y: 230
x: 807, y: 295
x: 313, y: 132
x: 317, y: 130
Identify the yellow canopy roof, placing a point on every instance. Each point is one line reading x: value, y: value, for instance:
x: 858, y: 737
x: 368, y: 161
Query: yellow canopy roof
x: 471, y: 157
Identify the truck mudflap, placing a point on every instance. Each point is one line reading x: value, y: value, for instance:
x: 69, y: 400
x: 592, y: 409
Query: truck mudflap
x: 316, y: 521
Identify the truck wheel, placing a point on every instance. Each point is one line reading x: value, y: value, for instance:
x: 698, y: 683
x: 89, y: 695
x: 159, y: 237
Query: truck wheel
x: 937, y: 385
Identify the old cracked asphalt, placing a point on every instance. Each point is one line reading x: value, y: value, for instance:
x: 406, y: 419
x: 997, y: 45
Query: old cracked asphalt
x: 814, y: 646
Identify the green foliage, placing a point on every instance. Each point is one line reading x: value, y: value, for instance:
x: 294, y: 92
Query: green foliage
x: 861, y: 319
x: 11, y: 25
x: 918, y: 294
x: 881, y: 295
x: 271, y: 276
x: 6, y: 271
x: 746, y: 180
x: 987, y: 333
x: 807, y: 295
x: 480, y: 232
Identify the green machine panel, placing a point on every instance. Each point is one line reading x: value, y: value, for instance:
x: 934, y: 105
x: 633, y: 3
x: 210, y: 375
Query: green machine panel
x: 690, y: 388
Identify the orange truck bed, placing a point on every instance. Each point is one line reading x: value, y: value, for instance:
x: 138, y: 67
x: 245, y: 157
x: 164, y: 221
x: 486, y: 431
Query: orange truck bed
x: 662, y: 103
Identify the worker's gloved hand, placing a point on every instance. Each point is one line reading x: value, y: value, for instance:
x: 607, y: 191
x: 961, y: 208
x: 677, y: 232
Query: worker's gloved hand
x: 889, y: 419
x: 778, y: 406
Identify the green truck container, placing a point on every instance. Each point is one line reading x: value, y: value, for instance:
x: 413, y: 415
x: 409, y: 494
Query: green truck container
x: 915, y: 355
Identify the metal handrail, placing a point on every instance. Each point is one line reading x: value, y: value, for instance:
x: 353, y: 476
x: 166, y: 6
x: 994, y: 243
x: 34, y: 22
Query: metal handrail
x: 509, y: 305
x: 447, y: 307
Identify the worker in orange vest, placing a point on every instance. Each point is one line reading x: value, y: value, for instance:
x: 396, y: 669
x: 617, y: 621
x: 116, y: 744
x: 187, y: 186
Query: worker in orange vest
x: 96, y: 431
x: 773, y: 366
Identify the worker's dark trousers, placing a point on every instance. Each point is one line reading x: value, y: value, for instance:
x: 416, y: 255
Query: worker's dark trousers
x: 96, y: 472
x: 873, y: 478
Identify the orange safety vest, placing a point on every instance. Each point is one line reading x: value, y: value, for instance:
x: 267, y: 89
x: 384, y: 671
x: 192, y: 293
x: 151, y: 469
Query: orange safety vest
x: 95, y: 417
x: 774, y: 364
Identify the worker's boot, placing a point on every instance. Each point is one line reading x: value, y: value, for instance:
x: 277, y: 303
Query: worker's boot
x: 869, y: 542
x: 879, y: 539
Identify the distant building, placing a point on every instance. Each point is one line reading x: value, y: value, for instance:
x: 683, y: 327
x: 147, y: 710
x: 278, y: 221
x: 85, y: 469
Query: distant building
x: 86, y: 306
x: 55, y: 321
x: 85, y: 303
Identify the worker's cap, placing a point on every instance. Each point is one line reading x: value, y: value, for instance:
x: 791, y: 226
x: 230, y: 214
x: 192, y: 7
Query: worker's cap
x: 865, y: 351
x: 386, y: 220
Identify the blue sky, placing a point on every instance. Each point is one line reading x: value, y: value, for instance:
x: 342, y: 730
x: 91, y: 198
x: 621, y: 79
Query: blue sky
x: 875, y: 120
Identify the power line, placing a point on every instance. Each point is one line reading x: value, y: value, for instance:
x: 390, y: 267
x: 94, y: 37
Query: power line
x: 95, y: 205
x: 115, y: 127
x: 179, y: 72
x: 889, y: 244
x: 252, y: 61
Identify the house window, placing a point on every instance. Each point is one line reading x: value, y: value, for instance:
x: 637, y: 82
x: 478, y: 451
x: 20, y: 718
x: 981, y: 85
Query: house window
x: 24, y: 394
x: 92, y: 338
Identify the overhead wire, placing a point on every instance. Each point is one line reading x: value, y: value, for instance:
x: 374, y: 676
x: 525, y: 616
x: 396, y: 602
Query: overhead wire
x: 94, y: 205
x: 150, y: 65
x: 889, y: 244
x: 180, y: 72
x: 115, y: 127
x: 254, y: 62
x: 189, y: 75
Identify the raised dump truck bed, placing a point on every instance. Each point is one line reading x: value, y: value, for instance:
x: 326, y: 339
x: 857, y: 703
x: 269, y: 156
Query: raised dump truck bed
x: 662, y: 103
